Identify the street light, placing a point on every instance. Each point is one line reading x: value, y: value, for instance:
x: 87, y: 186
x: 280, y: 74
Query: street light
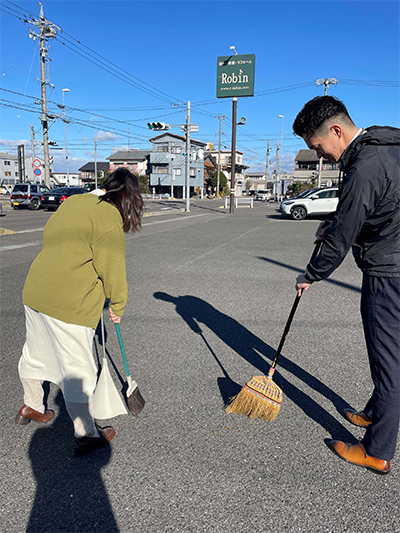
x: 65, y: 135
x: 280, y: 152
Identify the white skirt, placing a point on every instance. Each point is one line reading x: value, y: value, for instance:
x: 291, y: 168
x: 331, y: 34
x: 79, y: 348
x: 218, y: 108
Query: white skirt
x: 61, y: 353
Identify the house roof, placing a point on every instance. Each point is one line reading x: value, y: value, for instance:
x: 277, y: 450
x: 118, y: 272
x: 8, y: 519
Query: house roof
x: 89, y: 167
x: 192, y: 141
x: 306, y: 155
x: 130, y: 155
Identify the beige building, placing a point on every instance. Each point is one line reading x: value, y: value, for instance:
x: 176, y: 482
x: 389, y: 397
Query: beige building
x: 307, y: 168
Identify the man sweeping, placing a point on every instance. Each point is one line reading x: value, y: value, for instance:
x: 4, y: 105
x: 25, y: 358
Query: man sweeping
x: 368, y: 220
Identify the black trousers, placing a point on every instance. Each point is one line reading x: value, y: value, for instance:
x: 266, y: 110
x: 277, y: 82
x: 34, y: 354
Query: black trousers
x: 380, y: 310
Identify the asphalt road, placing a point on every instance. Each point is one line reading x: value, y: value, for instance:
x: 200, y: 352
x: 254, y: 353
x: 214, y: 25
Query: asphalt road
x: 209, y: 295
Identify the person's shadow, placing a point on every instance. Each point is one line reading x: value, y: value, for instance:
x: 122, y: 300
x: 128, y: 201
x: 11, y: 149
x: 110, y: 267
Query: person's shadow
x: 70, y: 495
x: 195, y: 310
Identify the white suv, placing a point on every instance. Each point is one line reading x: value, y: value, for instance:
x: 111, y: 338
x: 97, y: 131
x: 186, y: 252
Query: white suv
x: 322, y: 202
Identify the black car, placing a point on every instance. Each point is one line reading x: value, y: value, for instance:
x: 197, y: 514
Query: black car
x: 53, y: 199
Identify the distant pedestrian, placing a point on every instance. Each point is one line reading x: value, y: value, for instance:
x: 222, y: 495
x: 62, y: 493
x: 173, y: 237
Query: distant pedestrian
x: 81, y: 264
x: 368, y: 220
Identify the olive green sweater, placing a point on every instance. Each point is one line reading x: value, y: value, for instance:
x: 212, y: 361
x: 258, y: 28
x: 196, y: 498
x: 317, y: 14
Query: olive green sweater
x: 82, y: 263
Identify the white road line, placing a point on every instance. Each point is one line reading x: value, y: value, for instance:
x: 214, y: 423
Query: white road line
x: 15, y: 246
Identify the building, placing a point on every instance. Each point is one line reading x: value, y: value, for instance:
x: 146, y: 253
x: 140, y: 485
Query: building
x: 87, y: 171
x: 168, y: 165
x: 225, y: 162
x: 10, y: 173
x: 136, y: 161
x: 60, y: 179
x: 307, y: 168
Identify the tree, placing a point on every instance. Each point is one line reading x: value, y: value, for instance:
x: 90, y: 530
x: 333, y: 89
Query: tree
x: 212, y: 182
x: 248, y: 185
x: 143, y: 183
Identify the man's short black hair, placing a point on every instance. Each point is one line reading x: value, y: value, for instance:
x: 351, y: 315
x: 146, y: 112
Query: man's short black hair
x: 318, y: 111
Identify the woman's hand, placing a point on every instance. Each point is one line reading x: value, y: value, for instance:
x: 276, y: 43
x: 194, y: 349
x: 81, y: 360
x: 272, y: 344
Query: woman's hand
x: 114, y: 318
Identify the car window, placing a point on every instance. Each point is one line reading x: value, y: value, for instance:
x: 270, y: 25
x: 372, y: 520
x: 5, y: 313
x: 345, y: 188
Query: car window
x: 20, y: 188
x: 34, y: 188
x: 324, y: 194
x: 43, y: 188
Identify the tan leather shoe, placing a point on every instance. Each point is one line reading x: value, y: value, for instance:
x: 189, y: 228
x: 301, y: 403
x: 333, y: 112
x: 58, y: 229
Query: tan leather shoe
x: 86, y: 444
x: 26, y: 414
x: 357, y: 418
x: 356, y: 454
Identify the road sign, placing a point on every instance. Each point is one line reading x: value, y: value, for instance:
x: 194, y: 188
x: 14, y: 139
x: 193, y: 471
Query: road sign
x: 37, y: 163
x: 37, y: 171
x: 235, y: 75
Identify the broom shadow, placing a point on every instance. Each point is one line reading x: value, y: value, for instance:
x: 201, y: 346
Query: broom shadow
x: 249, y: 346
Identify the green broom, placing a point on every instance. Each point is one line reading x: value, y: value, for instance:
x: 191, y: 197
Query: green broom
x: 261, y: 397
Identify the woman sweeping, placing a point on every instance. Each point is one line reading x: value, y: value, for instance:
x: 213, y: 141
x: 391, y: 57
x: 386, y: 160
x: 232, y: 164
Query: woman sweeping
x: 82, y: 263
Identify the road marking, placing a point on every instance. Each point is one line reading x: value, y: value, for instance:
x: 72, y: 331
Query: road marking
x: 15, y: 246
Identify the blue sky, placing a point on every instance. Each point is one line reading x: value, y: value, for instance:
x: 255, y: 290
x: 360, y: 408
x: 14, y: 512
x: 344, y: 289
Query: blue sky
x: 169, y: 49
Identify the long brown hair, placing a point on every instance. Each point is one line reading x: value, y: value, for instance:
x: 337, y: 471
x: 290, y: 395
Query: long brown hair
x: 122, y: 191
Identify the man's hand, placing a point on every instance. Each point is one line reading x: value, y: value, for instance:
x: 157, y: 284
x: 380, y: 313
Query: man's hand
x: 114, y: 318
x: 302, y: 283
x: 322, y: 230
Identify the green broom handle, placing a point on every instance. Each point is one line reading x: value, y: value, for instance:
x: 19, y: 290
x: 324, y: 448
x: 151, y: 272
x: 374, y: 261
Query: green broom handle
x: 121, y: 345
x: 292, y: 312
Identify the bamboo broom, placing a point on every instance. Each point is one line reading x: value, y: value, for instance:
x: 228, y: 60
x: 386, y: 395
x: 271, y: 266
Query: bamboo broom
x: 261, y: 397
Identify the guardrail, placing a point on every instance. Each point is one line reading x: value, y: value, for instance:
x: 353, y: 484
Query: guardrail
x: 240, y: 202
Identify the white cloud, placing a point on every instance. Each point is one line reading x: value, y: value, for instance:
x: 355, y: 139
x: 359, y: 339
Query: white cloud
x: 6, y: 145
x: 105, y: 136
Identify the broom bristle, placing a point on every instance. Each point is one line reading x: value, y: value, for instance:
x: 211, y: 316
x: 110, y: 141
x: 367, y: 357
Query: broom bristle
x: 135, y: 402
x: 259, y: 398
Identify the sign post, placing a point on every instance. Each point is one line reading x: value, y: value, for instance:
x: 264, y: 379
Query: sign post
x: 235, y: 77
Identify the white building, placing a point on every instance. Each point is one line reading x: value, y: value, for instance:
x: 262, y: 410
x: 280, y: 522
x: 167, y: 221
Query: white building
x: 9, y: 169
x: 61, y: 179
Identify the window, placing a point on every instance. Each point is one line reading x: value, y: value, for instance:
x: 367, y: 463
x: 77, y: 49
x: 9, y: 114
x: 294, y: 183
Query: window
x: 176, y: 150
x: 7, y: 163
x: 192, y: 172
x: 34, y: 188
x: 162, y: 148
x: 177, y: 172
x: 326, y: 194
x: 161, y: 170
x: 7, y: 173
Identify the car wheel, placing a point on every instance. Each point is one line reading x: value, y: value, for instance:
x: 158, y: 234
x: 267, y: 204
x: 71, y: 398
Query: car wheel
x: 298, y: 213
x: 34, y: 204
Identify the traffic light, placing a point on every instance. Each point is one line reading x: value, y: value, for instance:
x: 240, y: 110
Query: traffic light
x: 157, y: 126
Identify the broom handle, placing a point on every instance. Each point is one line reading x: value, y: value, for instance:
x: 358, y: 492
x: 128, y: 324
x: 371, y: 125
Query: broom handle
x: 102, y: 335
x: 292, y: 312
x: 121, y: 345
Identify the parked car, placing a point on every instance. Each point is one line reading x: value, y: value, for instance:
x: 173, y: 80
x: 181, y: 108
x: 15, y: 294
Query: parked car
x: 304, y: 194
x: 51, y: 200
x: 263, y: 194
x: 318, y: 202
x: 27, y: 194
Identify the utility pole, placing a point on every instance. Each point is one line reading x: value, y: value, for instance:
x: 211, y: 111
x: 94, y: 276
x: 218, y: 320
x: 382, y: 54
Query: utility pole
x: 47, y: 30
x: 326, y: 82
x: 95, y: 163
x: 65, y: 134
x: 33, y: 142
x: 187, y: 177
x: 277, y: 171
x: 267, y: 162
x: 233, y: 156
x: 220, y: 118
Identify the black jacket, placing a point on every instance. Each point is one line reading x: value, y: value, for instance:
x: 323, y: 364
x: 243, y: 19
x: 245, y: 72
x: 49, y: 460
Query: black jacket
x: 368, y: 213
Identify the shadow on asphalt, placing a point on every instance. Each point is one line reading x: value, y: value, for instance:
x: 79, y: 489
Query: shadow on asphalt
x: 301, y: 271
x: 195, y: 310
x: 70, y: 494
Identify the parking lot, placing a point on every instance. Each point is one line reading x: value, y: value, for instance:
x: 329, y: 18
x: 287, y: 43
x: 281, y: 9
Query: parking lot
x: 209, y: 295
